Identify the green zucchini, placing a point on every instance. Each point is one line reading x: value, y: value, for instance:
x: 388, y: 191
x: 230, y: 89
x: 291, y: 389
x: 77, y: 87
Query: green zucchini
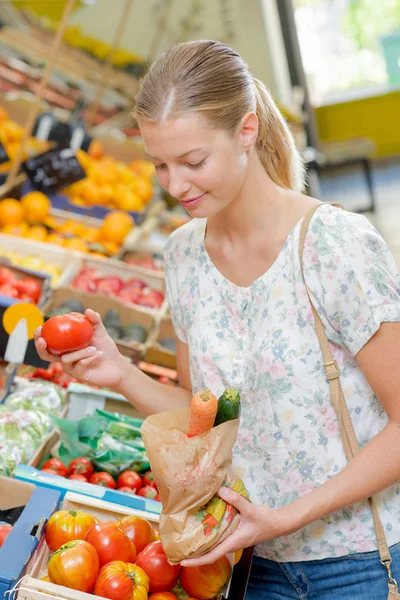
x: 228, y: 407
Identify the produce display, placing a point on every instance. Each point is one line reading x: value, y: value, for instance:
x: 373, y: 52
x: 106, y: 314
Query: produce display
x: 112, y: 183
x: 25, y: 289
x: 123, y: 560
x: 133, y: 291
x: 25, y: 419
x: 11, y: 134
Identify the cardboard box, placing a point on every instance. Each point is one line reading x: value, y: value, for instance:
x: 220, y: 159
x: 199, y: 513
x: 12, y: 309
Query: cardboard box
x: 101, y: 304
x: 31, y: 475
x: 26, y: 534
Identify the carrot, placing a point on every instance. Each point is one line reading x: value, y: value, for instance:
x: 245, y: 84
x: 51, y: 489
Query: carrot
x: 203, y: 410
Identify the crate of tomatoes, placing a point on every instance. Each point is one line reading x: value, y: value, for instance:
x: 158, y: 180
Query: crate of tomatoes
x: 92, y: 547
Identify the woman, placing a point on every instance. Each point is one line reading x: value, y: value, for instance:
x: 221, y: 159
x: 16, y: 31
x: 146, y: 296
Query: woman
x: 243, y: 318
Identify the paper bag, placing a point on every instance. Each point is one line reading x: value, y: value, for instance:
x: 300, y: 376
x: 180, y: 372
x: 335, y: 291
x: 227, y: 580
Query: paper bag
x: 188, y: 473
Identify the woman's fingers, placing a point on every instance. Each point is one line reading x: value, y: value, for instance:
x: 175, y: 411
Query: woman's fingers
x: 41, y: 348
x: 70, y: 358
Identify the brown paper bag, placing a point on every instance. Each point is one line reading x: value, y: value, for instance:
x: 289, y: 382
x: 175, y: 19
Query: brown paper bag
x: 188, y: 473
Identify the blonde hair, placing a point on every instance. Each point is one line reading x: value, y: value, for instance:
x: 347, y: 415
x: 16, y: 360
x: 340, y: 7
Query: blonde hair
x: 209, y: 77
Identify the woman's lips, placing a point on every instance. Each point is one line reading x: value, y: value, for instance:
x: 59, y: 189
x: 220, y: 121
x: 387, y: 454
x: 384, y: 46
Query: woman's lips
x: 192, y: 202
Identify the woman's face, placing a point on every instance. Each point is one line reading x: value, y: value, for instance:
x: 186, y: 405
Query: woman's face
x: 201, y: 166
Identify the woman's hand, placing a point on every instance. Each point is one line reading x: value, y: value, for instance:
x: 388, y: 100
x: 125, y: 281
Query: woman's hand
x: 257, y: 524
x: 99, y: 364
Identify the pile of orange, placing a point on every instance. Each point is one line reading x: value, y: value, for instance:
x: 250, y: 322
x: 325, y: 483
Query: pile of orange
x: 10, y: 137
x: 30, y: 218
x: 111, y: 183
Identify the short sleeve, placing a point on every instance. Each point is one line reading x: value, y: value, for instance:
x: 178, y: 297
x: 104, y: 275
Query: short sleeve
x: 351, y: 275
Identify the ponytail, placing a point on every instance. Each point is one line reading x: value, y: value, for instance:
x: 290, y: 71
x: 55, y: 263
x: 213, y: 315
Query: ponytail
x: 275, y: 144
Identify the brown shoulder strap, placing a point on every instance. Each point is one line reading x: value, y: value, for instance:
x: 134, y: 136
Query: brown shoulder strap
x: 331, y: 368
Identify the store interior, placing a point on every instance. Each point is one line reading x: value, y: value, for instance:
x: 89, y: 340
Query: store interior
x: 84, y: 222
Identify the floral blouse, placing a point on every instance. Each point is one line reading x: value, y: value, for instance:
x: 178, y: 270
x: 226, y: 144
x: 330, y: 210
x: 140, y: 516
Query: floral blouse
x: 261, y: 340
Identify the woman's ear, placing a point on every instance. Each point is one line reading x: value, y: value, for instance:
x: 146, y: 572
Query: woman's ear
x: 248, y: 130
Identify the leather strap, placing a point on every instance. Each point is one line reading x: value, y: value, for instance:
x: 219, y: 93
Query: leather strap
x: 347, y: 432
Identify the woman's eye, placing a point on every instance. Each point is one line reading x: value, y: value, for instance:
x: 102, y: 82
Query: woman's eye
x: 196, y: 165
x: 159, y: 167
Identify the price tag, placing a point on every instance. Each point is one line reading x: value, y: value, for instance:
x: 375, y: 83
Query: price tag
x: 3, y: 155
x: 54, y: 170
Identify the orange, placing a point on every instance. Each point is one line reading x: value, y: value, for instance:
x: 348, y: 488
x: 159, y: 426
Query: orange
x: 11, y: 132
x: 83, y: 159
x: 19, y: 230
x: 12, y: 150
x: 55, y: 239
x: 76, y: 244
x: 37, y: 207
x: 88, y: 191
x: 38, y: 233
x: 129, y: 201
x: 11, y: 212
x: 92, y: 234
x: 144, y: 188
x: 116, y: 226
x: 111, y: 247
x: 143, y: 167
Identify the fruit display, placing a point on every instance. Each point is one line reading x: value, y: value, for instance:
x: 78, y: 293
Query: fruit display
x: 25, y: 419
x: 120, y: 559
x: 111, y: 183
x: 30, y: 219
x: 144, y: 260
x: 25, y: 288
x: 132, y: 291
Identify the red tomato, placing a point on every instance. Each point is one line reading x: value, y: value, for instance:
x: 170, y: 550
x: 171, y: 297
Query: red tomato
x: 111, y: 543
x: 67, y: 333
x: 122, y: 581
x: 205, y: 582
x: 154, y: 562
x: 7, y: 289
x: 51, y: 471
x: 137, y: 530
x: 78, y: 477
x: 163, y: 596
x: 4, y: 532
x: 56, y: 465
x: 74, y: 565
x: 104, y: 479
x: 81, y: 465
x: 158, y: 498
x: 7, y: 276
x: 126, y: 489
x: 148, y: 491
x: 29, y: 287
x: 148, y: 479
x: 110, y: 286
x: 135, y: 284
x: 130, y: 479
x: 67, y: 525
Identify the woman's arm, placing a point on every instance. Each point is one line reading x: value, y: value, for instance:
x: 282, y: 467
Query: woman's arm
x: 151, y: 397
x: 374, y: 468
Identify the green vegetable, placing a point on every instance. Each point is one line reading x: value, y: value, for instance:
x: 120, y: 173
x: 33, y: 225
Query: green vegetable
x: 228, y: 407
x: 134, y: 332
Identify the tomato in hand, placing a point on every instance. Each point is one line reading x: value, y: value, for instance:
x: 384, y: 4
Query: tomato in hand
x: 154, y: 562
x: 55, y: 464
x: 78, y: 477
x: 111, y: 543
x: 130, y: 479
x: 137, y: 530
x: 74, y: 565
x: 4, y: 533
x: 67, y: 525
x: 67, y: 333
x: 204, y: 582
x: 122, y: 581
x: 81, y: 465
x: 104, y: 479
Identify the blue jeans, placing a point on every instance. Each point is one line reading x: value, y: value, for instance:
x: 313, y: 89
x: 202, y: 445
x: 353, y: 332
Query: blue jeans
x: 352, y: 577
